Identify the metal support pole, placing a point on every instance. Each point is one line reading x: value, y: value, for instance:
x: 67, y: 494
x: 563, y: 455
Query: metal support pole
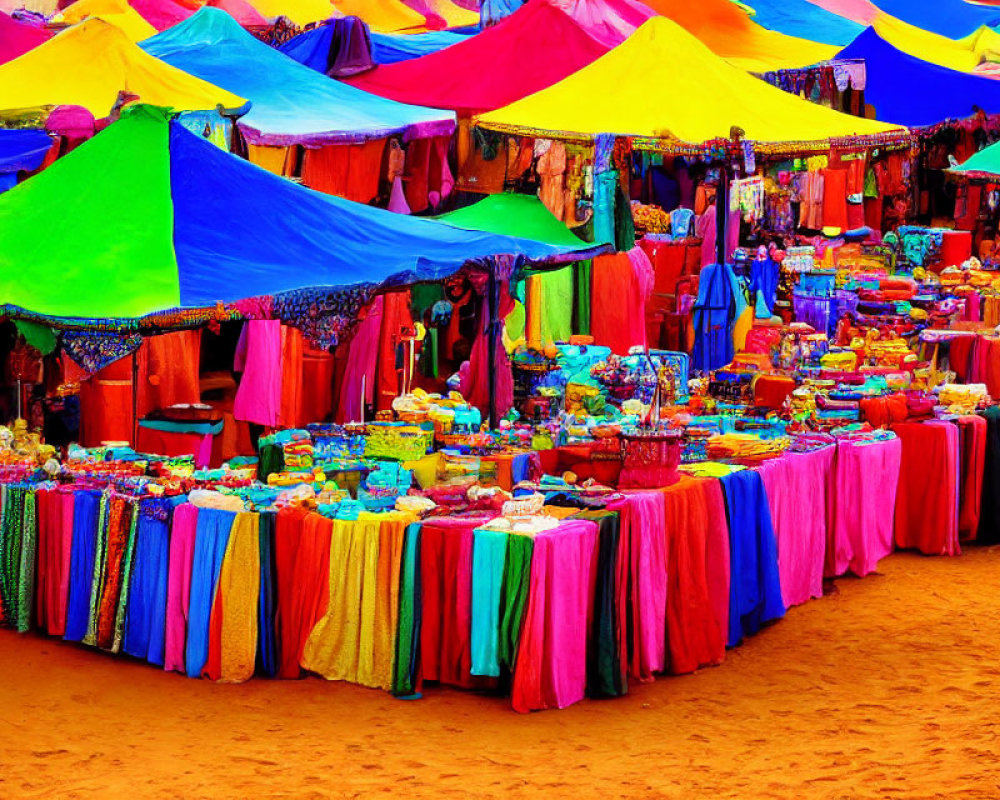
x: 492, y: 335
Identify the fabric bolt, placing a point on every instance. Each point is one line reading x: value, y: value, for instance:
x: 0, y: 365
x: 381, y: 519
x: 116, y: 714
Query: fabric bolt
x: 796, y: 486
x: 146, y: 616
x: 989, y: 517
x: 551, y: 670
x: 50, y: 559
x: 489, y: 551
x: 861, y: 503
x: 341, y: 645
x: 606, y: 672
x: 642, y: 524
x: 267, y: 646
x: 927, y: 497
x: 116, y: 548
x: 212, y: 535
x: 695, y: 637
x: 514, y: 597
x: 404, y: 674
x: 755, y: 586
x: 232, y: 652
x: 446, y: 595
x: 972, y: 440
x: 302, y: 563
x: 86, y: 508
x: 182, y: 541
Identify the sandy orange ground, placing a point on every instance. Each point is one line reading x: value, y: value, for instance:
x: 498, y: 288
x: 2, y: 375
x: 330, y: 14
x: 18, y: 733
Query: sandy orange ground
x: 887, y: 688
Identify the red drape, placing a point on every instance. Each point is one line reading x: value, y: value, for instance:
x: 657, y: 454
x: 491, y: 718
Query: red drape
x: 351, y: 171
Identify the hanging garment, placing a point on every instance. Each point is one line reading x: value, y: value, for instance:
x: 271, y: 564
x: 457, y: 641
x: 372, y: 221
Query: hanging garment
x: 714, y: 318
x: 211, y: 540
x: 258, y: 357
x: 861, y: 503
x: 696, y: 637
x: 146, y: 611
x: 302, y: 565
x: 351, y: 171
x: 621, y: 285
x: 764, y: 285
x: 796, y: 488
x: 551, y: 168
x: 551, y: 669
x: 927, y: 497
x: 396, y: 320
x: 754, y: 588
x: 361, y: 365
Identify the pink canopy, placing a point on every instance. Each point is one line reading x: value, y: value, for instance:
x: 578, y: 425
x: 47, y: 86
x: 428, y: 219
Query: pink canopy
x: 532, y: 49
x: 611, y: 22
x: 17, y: 38
x: 241, y: 11
x: 860, y: 11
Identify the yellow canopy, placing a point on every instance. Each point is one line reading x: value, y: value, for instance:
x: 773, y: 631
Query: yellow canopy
x: 985, y: 42
x: 301, y: 12
x: 383, y: 16
x: 118, y: 12
x: 730, y: 33
x: 88, y: 64
x: 664, y: 83
x: 962, y: 55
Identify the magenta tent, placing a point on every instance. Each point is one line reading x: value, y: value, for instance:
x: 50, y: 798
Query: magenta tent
x: 17, y: 38
x: 530, y: 50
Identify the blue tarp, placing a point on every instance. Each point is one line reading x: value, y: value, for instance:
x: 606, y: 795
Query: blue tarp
x: 951, y: 18
x: 389, y: 48
x: 20, y: 150
x: 240, y: 231
x: 805, y: 20
x: 291, y: 104
x: 908, y: 91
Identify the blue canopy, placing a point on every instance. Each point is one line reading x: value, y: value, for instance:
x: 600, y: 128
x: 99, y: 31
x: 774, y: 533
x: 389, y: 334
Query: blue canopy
x: 388, y: 48
x: 908, y: 91
x: 21, y: 150
x: 805, y: 20
x: 147, y: 216
x: 291, y: 104
x: 951, y: 18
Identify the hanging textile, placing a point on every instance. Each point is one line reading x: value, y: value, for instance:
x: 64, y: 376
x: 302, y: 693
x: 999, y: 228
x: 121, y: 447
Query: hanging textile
x: 927, y: 497
x: 146, y: 613
x: 182, y: 541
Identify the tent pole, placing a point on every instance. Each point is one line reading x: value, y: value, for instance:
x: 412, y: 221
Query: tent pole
x: 721, y: 214
x: 492, y: 301
x: 135, y: 399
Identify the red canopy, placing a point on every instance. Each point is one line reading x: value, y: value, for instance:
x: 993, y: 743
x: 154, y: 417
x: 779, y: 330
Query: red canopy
x: 17, y: 38
x: 530, y: 50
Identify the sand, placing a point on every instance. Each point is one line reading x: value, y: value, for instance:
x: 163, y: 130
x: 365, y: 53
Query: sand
x: 887, y: 688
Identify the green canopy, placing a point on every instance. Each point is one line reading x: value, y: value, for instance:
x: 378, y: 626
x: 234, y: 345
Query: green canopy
x: 983, y: 165
x: 525, y: 215
x: 513, y: 215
